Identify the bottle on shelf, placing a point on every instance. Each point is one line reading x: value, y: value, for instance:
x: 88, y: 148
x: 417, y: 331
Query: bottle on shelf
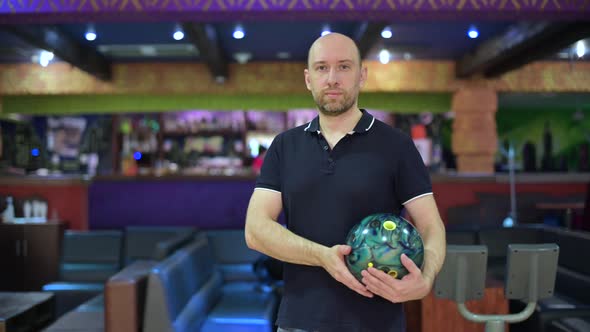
x: 8, y: 214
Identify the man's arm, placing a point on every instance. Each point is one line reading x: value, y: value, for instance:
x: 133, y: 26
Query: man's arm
x: 424, y: 213
x: 417, y: 283
x: 266, y: 235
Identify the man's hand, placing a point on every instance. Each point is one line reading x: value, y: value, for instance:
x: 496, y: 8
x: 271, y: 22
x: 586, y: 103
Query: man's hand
x: 332, y: 260
x: 412, y: 286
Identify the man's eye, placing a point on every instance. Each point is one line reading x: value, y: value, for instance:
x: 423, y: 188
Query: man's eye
x: 344, y: 67
x: 322, y: 68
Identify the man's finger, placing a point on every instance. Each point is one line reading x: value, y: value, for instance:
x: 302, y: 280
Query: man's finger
x: 344, y: 249
x: 384, y: 277
x: 374, y: 284
x: 352, y: 283
x: 410, y: 265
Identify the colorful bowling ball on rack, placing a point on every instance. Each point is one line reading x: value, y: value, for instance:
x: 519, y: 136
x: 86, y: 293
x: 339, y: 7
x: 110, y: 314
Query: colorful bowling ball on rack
x: 379, y: 240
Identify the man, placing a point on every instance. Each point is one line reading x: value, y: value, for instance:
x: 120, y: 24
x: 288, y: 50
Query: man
x: 327, y: 175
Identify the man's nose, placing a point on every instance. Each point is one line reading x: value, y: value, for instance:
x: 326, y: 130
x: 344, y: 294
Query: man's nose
x: 332, y: 77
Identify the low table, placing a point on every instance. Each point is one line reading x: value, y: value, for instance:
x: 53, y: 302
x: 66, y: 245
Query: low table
x: 24, y: 311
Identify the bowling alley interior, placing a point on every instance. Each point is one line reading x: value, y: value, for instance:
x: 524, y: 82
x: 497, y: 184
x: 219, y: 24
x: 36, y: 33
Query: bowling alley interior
x: 133, y: 132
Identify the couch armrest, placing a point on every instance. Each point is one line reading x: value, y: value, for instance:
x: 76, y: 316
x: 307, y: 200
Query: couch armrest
x: 166, y: 247
x: 125, y: 297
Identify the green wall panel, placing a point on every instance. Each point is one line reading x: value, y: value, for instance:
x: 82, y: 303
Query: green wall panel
x: 89, y: 104
x: 569, y: 128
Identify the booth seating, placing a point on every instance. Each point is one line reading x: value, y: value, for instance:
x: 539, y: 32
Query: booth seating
x: 232, y: 256
x: 189, y: 292
x: 569, y: 308
x: 88, y: 259
x: 87, y: 317
x: 154, y: 242
x: 125, y: 295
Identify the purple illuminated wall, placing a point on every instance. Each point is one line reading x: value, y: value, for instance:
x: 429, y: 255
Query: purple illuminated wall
x: 207, y: 204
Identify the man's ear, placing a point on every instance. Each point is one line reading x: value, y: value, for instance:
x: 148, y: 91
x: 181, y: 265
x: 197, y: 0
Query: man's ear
x: 307, y: 80
x: 363, y: 78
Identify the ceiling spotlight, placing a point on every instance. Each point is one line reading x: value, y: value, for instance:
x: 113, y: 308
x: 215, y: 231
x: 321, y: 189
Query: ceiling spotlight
x: 386, y: 33
x: 384, y: 56
x: 148, y: 50
x: 326, y: 30
x: 242, y: 57
x: 90, y: 33
x: 472, y: 32
x: 283, y: 55
x: 45, y: 57
x: 239, y: 32
x: 580, y: 48
x: 178, y: 33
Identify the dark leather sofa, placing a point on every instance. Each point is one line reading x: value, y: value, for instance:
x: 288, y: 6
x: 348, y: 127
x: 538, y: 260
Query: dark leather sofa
x: 154, y: 242
x: 190, y: 291
x: 88, y: 259
x: 125, y: 295
x: 87, y: 317
x: 569, y: 308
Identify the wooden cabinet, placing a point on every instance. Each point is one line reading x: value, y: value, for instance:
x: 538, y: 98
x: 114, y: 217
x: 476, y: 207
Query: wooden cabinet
x: 29, y: 255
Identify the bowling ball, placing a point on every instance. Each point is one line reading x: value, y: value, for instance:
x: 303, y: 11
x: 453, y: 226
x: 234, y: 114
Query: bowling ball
x: 379, y: 240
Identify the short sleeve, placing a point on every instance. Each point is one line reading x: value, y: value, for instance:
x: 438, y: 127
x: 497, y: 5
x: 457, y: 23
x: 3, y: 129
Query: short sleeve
x: 270, y: 173
x: 412, y: 178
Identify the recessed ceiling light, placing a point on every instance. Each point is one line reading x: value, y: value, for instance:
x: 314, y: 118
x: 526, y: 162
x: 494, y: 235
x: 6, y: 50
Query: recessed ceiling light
x: 239, y: 32
x: 472, y: 32
x: 178, y: 33
x: 45, y: 57
x: 384, y: 56
x: 242, y: 57
x: 326, y: 30
x: 283, y: 55
x: 148, y: 50
x: 90, y: 33
x: 580, y: 48
x: 386, y: 33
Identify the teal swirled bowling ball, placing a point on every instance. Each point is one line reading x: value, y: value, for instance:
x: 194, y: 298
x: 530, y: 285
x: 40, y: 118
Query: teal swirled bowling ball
x: 379, y: 240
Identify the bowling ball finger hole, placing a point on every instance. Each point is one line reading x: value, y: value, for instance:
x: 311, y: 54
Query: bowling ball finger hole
x: 389, y: 225
x: 392, y: 273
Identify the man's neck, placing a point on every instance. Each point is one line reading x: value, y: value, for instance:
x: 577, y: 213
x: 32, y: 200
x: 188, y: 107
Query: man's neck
x: 340, y: 125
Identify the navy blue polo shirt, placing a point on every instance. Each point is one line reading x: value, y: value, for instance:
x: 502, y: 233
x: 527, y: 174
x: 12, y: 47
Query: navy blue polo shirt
x: 325, y: 192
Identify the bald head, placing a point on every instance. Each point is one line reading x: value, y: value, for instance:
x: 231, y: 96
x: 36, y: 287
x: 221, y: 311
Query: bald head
x: 333, y: 43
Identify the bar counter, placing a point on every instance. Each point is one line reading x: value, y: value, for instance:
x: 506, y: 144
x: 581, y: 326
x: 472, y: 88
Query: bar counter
x: 221, y: 201
x: 555, y: 177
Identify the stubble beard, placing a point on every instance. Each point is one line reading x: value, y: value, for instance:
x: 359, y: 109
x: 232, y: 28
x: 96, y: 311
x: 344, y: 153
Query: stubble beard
x: 334, y: 108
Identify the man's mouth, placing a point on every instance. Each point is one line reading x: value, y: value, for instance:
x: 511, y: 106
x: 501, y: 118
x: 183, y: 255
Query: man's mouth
x: 332, y: 94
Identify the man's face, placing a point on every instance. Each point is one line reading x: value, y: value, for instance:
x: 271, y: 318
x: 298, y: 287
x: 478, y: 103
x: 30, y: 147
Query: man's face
x: 334, y: 75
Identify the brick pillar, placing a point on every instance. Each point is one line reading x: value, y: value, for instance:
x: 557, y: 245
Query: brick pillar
x: 474, y: 139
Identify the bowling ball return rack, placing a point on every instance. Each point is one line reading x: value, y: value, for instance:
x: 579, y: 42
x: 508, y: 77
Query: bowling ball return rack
x: 530, y: 275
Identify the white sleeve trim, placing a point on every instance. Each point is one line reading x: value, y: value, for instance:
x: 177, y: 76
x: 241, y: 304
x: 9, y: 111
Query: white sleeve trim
x: 411, y: 199
x: 266, y: 189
